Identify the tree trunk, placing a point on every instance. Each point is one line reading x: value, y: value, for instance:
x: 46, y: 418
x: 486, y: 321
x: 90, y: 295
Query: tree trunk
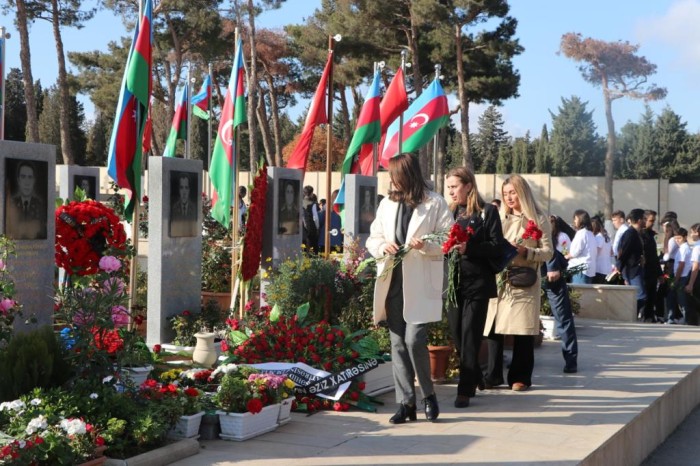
x: 609, y: 153
x: 64, y: 115
x: 440, y: 175
x: 27, y: 79
x: 253, y: 79
x: 463, y: 102
x: 274, y: 115
x: 417, y: 84
x: 264, y: 128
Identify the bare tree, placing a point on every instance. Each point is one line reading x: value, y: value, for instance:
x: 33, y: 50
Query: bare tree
x: 615, y: 67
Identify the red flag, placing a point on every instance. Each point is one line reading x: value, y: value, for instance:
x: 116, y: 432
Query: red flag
x: 147, y: 131
x: 394, y: 103
x: 316, y: 116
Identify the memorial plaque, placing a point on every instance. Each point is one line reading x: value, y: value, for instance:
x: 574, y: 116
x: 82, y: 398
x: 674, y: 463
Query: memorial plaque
x: 360, y: 206
x: 175, y: 243
x: 282, y: 231
x: 27, y: 184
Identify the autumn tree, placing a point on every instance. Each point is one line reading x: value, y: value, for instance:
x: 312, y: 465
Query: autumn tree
x: 620, y: 72
x: 317, y: 153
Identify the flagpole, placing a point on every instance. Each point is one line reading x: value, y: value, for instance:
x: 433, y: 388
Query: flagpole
x: 438, y: 67
x: 211, y: 114
x: 375, y: 145
x: 188, y: 141
x: 329, y: 142
x: 403, y: 75
x: 3, y: 36
x: 236, y: 214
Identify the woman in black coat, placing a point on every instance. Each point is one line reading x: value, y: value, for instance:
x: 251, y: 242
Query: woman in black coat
x: 477, y: 281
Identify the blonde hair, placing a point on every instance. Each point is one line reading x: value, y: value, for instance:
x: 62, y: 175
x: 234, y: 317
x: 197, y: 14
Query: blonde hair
x: 475, y: 203
x: 527, y: 200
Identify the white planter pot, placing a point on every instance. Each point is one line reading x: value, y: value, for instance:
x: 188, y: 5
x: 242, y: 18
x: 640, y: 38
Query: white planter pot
x: 549, y: 325
x: 285, y: 411
x: 205, y: 352
x: 137, y: 375
x: 187, y: 426
x: 242, y: 426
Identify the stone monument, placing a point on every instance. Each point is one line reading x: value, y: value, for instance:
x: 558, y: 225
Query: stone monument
x: 360, y: 206
x: 283, y: 230
x: 74, y: 176
x: 175, y: 242
x: 28, y: 186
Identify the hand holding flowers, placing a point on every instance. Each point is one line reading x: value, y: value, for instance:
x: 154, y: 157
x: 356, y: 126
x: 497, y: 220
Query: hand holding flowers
x: 532, y: 231
x: 454, y: 246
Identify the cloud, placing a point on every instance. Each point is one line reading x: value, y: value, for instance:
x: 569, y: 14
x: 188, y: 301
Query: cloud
x: 677, y: 31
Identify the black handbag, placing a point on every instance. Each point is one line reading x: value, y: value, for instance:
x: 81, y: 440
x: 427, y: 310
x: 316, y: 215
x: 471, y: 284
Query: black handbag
x: 521, y: 277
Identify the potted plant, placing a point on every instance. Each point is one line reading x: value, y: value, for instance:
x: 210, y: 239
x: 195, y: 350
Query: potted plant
x: 245, y: 408
x: 188, y: 425
x: 440, y: 348
x: 135, y: 360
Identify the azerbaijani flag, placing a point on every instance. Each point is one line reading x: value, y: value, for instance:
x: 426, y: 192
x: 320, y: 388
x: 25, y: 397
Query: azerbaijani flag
x: 316, y: 116
x: 424, y: 117
x: 178, y: 129
x: 200, y: 101
x: 394, y: 103
x: 125, y: 146
x: 223, y: 163
x: 367, y: 131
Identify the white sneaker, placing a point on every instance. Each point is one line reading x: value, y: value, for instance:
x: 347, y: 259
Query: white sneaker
x: 671, y: 322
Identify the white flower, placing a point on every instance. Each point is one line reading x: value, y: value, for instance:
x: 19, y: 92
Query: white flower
x: 38, y: 423
x: 94, y: 396
x: 73, y: 426
x: 35, y: 402
x: 225, y: 369
x: 107, y: 379
x: 16, y: 405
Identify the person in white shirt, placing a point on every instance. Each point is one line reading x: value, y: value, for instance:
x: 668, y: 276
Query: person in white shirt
x: 693, y: 286
x: 681, y: 271
x: 604, y: 251
x: 670, y: 250
x: 584, y: 249
x: 620, y: 223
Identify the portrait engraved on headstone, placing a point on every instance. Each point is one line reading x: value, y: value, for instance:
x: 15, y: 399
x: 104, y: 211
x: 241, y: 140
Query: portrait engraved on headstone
x: 26, y: 199
x: 87, y: 184
x: 289, y: 211
x: 367, y: 207
x: 183, y: 204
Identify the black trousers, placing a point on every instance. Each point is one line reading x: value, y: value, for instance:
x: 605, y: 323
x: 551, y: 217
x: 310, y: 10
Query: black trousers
x: 521, y: 366
x: 650, y: 287
x: 467, y: 327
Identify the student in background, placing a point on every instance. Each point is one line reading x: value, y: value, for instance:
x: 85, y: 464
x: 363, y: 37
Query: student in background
x: 681, y: 273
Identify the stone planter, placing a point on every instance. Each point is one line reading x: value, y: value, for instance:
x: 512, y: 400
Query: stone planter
x: 379, y: 380
x: 242, y: 426
x: 285, y: 414
x: 187, y: 426
x: 222, y: 299
x: 160, y: 456
x: 549, y: 326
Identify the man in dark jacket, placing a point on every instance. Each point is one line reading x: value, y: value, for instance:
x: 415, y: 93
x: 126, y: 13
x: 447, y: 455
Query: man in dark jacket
x: 630, y: 257
x: 652, y: 266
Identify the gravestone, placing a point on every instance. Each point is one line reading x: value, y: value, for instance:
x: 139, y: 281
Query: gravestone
x: 175, y: 243
x: 360, y: 207
x: 283, y: 230
x: 75, y: 176
x: 28, y: 187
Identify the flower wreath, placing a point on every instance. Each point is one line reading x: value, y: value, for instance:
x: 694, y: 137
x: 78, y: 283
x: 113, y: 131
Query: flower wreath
x: 252, y: 241
x: 84, y: 230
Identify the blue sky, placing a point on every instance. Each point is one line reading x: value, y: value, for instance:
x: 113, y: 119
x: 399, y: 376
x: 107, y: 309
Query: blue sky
x: 667, y: 31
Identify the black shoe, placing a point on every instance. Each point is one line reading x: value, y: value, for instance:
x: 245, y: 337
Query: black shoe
x: 570, y: 370
x: 462, y: 401
x: 404, y: 412
x: 432, y: 410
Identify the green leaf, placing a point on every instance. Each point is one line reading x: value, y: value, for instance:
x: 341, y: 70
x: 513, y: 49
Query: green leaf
x: 303, y: 311
x: 237, y: 337
x: 275, y: 313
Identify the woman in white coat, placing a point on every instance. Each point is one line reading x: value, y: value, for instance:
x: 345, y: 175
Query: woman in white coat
x: 408, y: 295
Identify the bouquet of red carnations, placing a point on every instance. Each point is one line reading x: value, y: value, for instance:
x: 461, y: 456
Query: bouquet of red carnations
x: 456, y: 236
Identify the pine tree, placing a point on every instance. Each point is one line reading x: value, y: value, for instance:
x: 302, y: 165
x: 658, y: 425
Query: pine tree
x: 15, y: 107
x: 489, y: 139
x: 573, y: 143
x: 542, y: 164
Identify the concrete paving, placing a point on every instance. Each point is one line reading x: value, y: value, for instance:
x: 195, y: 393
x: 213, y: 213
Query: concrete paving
x: 636, y: 383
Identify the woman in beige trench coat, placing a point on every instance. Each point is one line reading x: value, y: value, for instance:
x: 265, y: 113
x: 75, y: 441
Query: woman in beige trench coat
x: 516, y: 311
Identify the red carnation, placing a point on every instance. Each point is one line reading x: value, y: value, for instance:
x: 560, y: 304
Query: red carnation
x: 254, y: 406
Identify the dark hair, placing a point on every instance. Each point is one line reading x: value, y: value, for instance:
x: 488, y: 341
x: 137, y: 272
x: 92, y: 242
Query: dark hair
x: 308, y: 190
x: 648, y: 213
x: 618, y: 213
x: 496, y: 201
x: 584, y: 220
x: 682, y: 232
x: 409, y: 185
x: 242, y: 191
x: 695, y: 227
x: 560, y: 226
x: 25, y: 163
x: 635, y: 215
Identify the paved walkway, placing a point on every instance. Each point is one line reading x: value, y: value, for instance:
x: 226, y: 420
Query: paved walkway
x: 636, y: 383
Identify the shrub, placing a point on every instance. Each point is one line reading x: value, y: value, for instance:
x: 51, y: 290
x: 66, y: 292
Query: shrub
x: 33, y: 359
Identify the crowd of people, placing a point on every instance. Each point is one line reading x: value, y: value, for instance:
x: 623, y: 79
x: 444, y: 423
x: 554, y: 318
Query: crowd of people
x: 513, y: 251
